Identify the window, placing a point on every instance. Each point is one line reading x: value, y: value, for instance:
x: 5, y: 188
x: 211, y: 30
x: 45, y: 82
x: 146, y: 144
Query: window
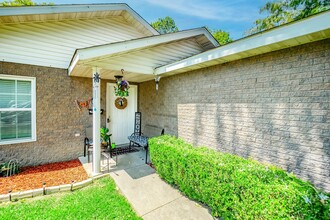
x: 17, y: 109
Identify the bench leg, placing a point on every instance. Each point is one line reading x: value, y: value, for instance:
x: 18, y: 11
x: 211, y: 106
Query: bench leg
x: 147, y: 154
x: 112, y: 155
x: 108, y: 160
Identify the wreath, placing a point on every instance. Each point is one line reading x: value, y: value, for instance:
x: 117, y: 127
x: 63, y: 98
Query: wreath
x: 121, y: 103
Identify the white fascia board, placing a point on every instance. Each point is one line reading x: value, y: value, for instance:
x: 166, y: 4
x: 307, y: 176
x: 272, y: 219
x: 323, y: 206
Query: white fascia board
x: 280, y: 34
x: 210, y: 37
x: 140, y: 19
x: 114, y: 48
x: 57, y: 9
x: 73, y: 63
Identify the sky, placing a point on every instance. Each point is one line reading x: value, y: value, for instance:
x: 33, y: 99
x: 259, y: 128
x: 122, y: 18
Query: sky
x: 233, y: 16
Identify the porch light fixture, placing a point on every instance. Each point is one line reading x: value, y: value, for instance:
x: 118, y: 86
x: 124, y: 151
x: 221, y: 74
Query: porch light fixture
x: 157, y: 79
x: 122, y: 85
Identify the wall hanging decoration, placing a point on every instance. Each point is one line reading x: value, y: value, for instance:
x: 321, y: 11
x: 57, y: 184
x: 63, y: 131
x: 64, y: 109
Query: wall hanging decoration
x: 121, y: 103
x: 122, y: 85
x: 90, y: 111
x: 83, y: 104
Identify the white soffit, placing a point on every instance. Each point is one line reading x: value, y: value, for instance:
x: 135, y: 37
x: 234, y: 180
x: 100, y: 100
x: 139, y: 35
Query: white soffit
x: 51, y: 37
x: 143, y: 55
x: 115, y: 48
x: 137, y: 63
x: 300, y: 32
x: 53, y: 43
x: 43, y: 13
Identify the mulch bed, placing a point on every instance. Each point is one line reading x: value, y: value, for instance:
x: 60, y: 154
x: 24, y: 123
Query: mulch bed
x: 52, y: 174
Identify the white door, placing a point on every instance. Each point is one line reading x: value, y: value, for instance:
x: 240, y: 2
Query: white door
x: 121, y: 121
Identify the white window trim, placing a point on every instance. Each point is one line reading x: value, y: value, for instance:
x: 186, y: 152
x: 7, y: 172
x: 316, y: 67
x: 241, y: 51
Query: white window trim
x: 33, y: 107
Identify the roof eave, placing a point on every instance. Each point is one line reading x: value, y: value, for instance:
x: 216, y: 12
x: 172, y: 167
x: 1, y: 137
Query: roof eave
x: 87, y: 55
x: 253, y: 44
x: 108, y: 49
x: 56, y: 9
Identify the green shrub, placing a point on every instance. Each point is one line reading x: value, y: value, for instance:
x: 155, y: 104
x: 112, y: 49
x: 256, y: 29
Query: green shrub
x: 9, y: 168
x: 234, y: 187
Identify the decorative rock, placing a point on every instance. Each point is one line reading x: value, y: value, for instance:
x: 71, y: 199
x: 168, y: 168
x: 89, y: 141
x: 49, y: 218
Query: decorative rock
x: 37, y: 192
x: 14, y: 196
x: 81, y: 184
x: 48, y: 190
x: 26, y: 194
x: 100, y: 176
x: 88, y: 181
x: 66, y: 187
x: 77, y: 186
x: 52, y: 189
x: 4, y: 198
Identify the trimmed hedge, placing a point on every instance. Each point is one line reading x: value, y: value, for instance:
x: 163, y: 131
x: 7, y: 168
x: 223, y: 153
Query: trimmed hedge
x: 234, y: 187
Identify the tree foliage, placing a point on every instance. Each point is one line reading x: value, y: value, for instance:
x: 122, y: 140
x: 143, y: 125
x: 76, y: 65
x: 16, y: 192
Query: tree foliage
x: 284, y: 11
x: 16, y: 3
x: 165, y: 25
x: 221, y: 36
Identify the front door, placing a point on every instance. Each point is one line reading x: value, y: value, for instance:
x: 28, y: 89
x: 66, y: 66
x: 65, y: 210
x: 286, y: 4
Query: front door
x: 120, y: 121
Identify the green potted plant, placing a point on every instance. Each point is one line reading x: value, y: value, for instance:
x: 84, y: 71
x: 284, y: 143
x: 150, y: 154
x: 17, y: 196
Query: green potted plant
x: 105, y: 136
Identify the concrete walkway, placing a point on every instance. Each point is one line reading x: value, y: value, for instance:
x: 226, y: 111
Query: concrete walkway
x: 149, y: 195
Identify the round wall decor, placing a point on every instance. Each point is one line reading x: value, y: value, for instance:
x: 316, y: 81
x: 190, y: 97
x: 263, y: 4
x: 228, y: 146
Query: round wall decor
x: 121, y: 103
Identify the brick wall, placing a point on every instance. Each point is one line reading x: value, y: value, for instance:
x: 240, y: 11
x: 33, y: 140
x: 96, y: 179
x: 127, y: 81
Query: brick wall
x: 58, y: 119
x: 273, y: 108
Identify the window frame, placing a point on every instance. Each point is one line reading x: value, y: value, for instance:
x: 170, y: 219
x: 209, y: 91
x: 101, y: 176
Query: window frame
x: 33, y: 109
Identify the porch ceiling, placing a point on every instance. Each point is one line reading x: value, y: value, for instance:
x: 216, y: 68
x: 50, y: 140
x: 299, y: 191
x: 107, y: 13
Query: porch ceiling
x: 140, y: 57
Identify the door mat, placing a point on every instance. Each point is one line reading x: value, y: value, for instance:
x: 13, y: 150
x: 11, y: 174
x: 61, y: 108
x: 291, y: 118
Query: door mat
x: 124, y: 150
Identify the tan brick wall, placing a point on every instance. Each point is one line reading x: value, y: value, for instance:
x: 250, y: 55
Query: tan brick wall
x: 58, y: 119
x: 273, y: 107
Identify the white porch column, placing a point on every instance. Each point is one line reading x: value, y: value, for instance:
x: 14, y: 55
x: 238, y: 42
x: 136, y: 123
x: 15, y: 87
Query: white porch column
x: 96, y: 121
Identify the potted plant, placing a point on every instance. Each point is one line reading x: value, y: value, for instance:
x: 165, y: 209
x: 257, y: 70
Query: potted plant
x: 105, y: 136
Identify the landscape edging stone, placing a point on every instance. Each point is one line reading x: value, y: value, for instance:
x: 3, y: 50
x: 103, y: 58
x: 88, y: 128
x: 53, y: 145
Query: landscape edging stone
x: 12, y: 197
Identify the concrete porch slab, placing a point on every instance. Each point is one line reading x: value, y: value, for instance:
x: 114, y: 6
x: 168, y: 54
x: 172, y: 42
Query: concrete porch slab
x: 124, y: 161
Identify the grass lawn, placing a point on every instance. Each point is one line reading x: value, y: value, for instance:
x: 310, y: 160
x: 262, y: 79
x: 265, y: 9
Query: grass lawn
x: 100, y: 200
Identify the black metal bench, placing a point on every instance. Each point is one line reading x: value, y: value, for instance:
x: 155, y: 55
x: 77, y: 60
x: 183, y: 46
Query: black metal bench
x: 138, y: 138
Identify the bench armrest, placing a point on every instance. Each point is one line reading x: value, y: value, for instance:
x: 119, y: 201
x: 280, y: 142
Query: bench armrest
x: 137, y: 134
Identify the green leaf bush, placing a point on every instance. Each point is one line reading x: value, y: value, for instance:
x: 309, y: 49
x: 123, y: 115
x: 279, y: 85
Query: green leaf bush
x: 9, y: 168
x: 234, y: 187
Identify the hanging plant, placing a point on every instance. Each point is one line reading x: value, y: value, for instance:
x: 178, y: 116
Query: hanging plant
x: 122, y: 86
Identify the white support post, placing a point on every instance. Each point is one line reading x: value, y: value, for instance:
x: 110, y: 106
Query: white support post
x: 96, y: 122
